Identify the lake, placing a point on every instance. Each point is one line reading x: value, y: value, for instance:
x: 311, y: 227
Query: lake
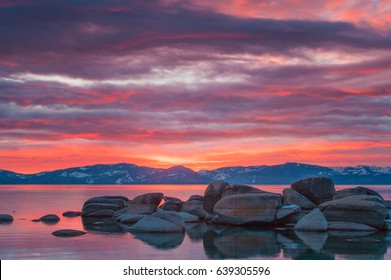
x: 24, y: 239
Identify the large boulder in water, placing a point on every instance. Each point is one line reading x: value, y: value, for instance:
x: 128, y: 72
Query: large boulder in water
x: 145, y: 204
x: 292, y: 197
x: 115, y: 200
x: 361, y: 209
x: 129, y: 218
x: 248, y: 208
x: 213, y: 194
x: 313, y: 221
x: 94, y: 207
x: 317, y: 189
x: 355, y: 191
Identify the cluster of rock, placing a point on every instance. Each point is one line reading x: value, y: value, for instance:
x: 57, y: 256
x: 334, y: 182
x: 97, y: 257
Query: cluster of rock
x: 311, y: 204
x: 308, y: 205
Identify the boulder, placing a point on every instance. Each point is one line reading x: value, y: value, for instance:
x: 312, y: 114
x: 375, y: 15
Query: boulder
x: 71, y: 214
x: 194, y: 207
x: 213, y: 194
x: 317, y: 189
x: 101, y: 214
x: 171, y: 204
x: 170, y: 216
x: 290, y: 196
x: 286, y: 211
x: 156, y: 225
x: 94, y: 207
x: 196, y: 197
x: 356, y: 209
x: 68, y: 233
x: 313, y: 221
x: 239, y: 189
x: 145, y: 204
x: 187, y: 217
x: 50, y: 218
x: 5, y: 218
x: 129, y: 218
x: 248, y: 208
x: 355, y: 191
x: 349, y: 226
x: 105, y: 200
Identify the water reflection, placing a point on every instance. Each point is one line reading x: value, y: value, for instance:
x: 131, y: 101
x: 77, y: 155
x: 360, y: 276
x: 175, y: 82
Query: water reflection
x: 102, y: 225
x: 161, y: 241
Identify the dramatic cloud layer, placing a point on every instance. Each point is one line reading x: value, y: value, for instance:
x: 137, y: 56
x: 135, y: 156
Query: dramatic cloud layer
x: 199, y: 83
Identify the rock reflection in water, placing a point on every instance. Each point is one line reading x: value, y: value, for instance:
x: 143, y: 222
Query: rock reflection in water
x: 102, y: 225
x: 241, y: 243
x: 161, y: 241
x: 357, y: 245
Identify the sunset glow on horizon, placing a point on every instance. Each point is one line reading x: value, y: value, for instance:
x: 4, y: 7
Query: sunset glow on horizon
x: 203, y: 84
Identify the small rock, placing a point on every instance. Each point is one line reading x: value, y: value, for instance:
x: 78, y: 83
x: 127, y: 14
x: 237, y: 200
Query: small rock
x: 71, y: 214
x: 68, y: 233
x: 318, y: 189
x: 287, y: 210
x: 313, y: 221
x: 49, y: 218
x: 5, y: 218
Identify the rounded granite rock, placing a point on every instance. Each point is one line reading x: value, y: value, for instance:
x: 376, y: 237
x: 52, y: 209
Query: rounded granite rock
x: 5, y: 218
x: 68, y: 233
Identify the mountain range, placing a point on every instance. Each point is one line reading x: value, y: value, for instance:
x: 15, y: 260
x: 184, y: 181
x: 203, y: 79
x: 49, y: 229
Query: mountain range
x: 124, y: 173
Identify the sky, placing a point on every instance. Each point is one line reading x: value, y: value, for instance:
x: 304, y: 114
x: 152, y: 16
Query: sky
x: 203, y: 84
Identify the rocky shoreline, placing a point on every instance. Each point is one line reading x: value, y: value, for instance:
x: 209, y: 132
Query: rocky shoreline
x: 309, y: 205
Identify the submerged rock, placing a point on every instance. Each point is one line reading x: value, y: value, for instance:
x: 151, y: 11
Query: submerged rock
x: 213, y: 194
x: 71, y: 214
x: 68, y: 233
x: 248, y: 208
x: 5, y: 218
x: 313, y: 221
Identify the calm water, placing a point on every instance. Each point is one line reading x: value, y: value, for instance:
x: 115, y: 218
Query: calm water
x: 24, y: 239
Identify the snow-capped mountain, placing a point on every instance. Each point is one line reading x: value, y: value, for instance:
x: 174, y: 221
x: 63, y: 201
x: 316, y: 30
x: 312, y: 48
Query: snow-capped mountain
x: 133, y: 174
